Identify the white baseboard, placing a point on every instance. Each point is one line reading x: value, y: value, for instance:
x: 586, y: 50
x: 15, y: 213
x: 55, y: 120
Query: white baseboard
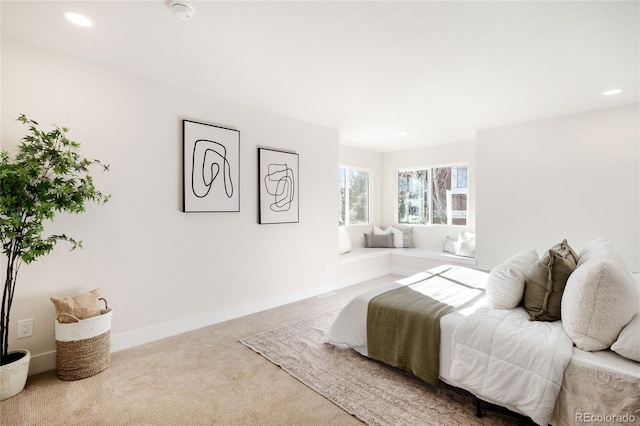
x: 42, y: 362
x: 161, y: 331
x: 47, y: 361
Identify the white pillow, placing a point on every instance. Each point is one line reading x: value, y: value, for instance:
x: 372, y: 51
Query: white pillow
x: 505, y: 285
x: 378, y: 231
x: 596, y: 248
x: 398, y: 237
x: 466, y: 245
x: 467, y: 235
x: 628, y: 343
x: 450, y: 245
x: 598, y: 301
x: 344, y: 241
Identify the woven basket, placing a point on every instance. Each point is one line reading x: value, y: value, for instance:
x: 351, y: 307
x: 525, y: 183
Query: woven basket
x: 83, y: 348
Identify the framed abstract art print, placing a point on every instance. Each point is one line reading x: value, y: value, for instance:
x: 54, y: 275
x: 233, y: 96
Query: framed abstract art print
x: 278, y: 186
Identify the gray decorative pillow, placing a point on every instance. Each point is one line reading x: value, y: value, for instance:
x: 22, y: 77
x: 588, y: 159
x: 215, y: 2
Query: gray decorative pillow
x: 378, y: 241
x: 403, y: 236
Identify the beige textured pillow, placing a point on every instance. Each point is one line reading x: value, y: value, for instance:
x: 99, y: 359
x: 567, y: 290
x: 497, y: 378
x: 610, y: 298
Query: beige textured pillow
x: 599, y: 301
x: 545, y: 283
x: 83, y: 306
x: 601, y: 248
x: 596, y: 248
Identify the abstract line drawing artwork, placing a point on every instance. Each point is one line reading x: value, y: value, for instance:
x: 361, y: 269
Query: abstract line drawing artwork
x: 280, y: 184
x: 278, y: 180
x: 205, y: 168
x: 211, y: 168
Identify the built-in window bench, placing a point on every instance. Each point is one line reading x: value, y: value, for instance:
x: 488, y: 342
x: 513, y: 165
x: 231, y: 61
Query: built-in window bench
x: 360, y: 254
x: 362, y: 264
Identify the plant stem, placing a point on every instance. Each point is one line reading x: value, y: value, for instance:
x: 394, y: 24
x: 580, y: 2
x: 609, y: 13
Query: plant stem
x: 11, y: 278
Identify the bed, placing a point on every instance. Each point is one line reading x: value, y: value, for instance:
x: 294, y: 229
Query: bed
x: 548, y: 378
x: 350, y: 327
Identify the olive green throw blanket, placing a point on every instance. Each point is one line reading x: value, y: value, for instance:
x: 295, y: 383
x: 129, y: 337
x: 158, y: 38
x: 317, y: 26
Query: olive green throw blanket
x: 403, y: 325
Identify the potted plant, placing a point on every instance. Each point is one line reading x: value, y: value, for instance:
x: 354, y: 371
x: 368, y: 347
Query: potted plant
x: 46, y: 177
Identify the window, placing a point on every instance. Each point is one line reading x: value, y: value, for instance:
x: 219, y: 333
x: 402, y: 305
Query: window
x: 354, y: 196
x: 436, y: 195
x: 413, y: 196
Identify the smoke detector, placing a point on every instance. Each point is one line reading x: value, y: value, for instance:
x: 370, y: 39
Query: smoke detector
x: 182, y: 10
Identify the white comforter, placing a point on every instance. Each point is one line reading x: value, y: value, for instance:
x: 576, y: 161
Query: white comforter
x: 350, y: 327
x: 502, y: 357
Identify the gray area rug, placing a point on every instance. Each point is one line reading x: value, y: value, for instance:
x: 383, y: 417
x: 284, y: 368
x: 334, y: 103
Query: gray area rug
x: 371, y: 391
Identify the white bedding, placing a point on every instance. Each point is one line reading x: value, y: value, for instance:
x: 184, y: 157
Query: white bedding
x: 594, y: 382
x: 502, y: 357
x: 350, y: 327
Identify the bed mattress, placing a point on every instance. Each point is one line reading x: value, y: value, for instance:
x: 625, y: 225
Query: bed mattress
x: 350, y: 327
x: 595, y: 384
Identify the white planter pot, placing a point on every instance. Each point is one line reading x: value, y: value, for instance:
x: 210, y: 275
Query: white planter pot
x: 13, y: 376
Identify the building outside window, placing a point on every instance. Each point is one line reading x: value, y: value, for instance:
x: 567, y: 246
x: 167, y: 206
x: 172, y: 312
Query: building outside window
x: 354, y: 196
x: 433, y: 195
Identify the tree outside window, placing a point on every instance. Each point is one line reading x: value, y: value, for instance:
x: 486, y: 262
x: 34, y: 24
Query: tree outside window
x: 413, y: 196
x: 353, y: 196
x: 435, y: 195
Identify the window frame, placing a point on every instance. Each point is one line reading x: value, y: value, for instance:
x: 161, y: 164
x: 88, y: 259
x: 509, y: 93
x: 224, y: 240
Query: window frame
x: 430, y: 169
x: 346, y: 195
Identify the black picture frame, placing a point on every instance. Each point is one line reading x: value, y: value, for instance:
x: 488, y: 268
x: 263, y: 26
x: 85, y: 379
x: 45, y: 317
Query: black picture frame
x: 211, y: 168
x: 278, y: 181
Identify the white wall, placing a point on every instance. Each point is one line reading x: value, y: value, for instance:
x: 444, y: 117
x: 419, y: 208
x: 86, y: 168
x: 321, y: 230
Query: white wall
x: 428, y: 236
x: 164, y: 271
x: 360, y: 158
x: 574, y: 177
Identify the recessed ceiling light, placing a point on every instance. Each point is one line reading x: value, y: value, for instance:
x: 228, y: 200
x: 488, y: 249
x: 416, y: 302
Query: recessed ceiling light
x: 402, y: 133
x: 78, y: 19
x: 612, y: 92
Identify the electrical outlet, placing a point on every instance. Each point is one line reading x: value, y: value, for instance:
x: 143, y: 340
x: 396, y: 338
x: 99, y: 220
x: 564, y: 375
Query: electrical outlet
x: 25, y: 328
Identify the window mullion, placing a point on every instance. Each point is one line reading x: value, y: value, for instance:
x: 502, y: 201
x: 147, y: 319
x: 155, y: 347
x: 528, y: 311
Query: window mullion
x: 429, y: 196
x: 347, y: 204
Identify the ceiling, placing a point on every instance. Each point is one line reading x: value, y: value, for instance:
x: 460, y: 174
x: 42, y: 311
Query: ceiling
x: 388, y: 75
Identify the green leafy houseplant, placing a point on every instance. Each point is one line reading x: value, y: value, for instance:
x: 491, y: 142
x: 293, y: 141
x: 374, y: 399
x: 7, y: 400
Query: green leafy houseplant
x: 46, y: 177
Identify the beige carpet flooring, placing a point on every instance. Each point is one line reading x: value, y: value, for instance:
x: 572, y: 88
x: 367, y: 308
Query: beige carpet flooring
x: 375, y: 393
x: 204, y: 377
